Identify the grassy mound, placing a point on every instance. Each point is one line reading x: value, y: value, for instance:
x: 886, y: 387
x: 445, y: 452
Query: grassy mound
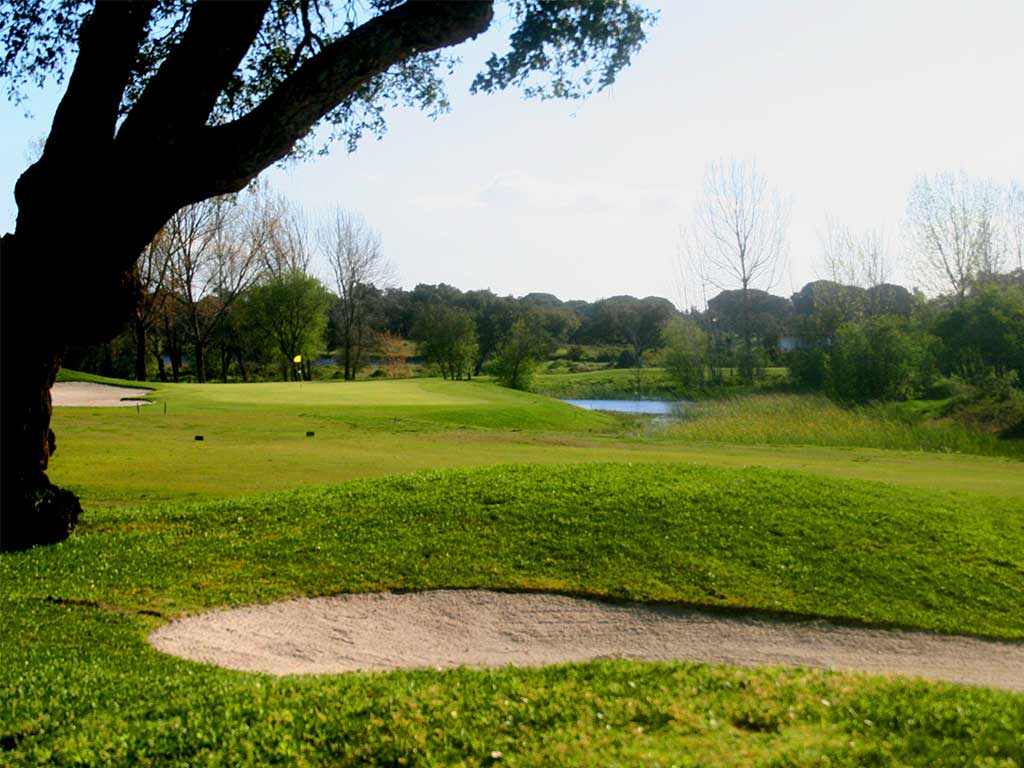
x: 756, y: 539
x: 79, y: 686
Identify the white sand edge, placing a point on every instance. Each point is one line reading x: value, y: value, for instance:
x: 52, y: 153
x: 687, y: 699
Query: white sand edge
x: 84, y: 394
x: 448, y: 628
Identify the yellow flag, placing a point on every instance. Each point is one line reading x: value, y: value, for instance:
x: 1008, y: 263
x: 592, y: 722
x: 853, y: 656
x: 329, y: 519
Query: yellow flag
x: 297, y: 359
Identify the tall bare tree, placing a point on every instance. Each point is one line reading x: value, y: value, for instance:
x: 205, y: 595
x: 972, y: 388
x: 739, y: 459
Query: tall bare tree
x: 213, y: 257
x: 854, y: 258
x: 151, y: 271
x: 352, y: 249
x: 738, y: 237
x: 952, y: 231
x: 1015, y: 224
x: 280, y: 229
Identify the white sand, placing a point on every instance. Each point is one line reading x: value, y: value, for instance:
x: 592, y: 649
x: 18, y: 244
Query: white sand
x: 448, y: 628
x: 83, y: 394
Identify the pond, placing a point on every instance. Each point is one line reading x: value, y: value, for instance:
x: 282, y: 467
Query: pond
x: 646, y: 407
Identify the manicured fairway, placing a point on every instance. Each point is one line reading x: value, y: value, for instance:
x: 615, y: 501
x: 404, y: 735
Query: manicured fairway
x: 255, y: 441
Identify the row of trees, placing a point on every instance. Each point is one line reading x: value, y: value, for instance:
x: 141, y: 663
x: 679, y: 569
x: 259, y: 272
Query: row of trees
x: 230, y: 282
x: 959, y: 232
x: 232, y: 286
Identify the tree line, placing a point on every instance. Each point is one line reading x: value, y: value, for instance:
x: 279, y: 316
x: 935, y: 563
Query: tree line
x: 229, y: 292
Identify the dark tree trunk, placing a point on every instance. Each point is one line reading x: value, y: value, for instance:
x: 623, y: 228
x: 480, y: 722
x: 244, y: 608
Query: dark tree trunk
x: 32, y: 509
x: 200, y: 361
x: 747, y: 368
x: 241, y: 365
x: 140, y: 349
x: 160, y: 369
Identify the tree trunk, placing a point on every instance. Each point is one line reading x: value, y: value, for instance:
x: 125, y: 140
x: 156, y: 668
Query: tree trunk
x: 747, y: 369
x: 199, y: 361
x: 158, y: 354
x: 32, y: 509
x: 140, y: 349
x: 241, y: 365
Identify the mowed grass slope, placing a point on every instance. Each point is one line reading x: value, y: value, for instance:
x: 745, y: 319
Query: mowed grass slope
x: 80, y: 686
x: 752, y: 539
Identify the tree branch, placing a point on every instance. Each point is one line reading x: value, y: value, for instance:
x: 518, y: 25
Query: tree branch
x: 109, y: 42
x: 183, y: 92
x: 229, y: 156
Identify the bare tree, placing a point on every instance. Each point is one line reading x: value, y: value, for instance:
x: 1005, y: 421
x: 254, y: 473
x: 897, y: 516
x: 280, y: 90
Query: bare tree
x: 951, y: 228
x: 1015, y: 224
x: 279, y: 229
x: 738, y: 236
x: 213, y: 258
x: 151, y: 272
x: 353, y: 250
x: 854, y: 258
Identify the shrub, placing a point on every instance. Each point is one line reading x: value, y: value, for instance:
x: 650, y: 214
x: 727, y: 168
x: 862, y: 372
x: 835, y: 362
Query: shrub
x: 808, y: 367
x: 994, y: 402
x: 883, y: 358
x: 518, y: 354
x: 685, y: 354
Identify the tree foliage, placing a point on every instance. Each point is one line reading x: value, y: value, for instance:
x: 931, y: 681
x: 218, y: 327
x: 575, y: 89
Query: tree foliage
x: 985, y: 332
x: 884, y: 358
x: 291, y: 310
x: 685, y: 352
x: 447, y: 338
x: 518, y: 354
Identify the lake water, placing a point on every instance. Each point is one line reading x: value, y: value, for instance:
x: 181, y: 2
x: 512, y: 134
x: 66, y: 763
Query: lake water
x: 647, y: 407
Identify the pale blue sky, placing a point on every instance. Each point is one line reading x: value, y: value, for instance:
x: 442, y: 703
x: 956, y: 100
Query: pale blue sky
x: 842, y: 104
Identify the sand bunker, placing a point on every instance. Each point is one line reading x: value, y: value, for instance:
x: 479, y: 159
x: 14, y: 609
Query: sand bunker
x: 82, y: 394
x: 448, y: 628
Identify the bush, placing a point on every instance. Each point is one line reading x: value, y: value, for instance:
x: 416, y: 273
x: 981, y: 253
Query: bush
x: 685, y: 353
x: 808, y: 367
x: 883, y: 358
x: 984, y: 332
x: 994, y: 402
x: 626, y: 359
x: 518, y: 354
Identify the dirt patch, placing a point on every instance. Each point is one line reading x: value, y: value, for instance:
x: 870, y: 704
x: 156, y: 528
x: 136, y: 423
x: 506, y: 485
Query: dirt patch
x: 448, y: 628
x: 83, y: 394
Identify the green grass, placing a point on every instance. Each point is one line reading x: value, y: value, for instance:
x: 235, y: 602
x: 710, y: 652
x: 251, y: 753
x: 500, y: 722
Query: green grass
x: 255, y: 441
x: 80, y: 686
x: 65, y: 374
x: 939, y: 546
x: 739, y: 539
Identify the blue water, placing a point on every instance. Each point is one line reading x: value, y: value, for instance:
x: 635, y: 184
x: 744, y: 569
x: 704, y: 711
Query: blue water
x: 648, y: 407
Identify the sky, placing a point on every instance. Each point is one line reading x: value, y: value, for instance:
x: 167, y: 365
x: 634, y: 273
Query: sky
x: 841, y: 104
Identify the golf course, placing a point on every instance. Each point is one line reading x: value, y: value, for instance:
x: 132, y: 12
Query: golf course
x: 416, y: 485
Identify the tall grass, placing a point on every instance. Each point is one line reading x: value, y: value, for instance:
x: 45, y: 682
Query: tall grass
x: 816, y: 420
